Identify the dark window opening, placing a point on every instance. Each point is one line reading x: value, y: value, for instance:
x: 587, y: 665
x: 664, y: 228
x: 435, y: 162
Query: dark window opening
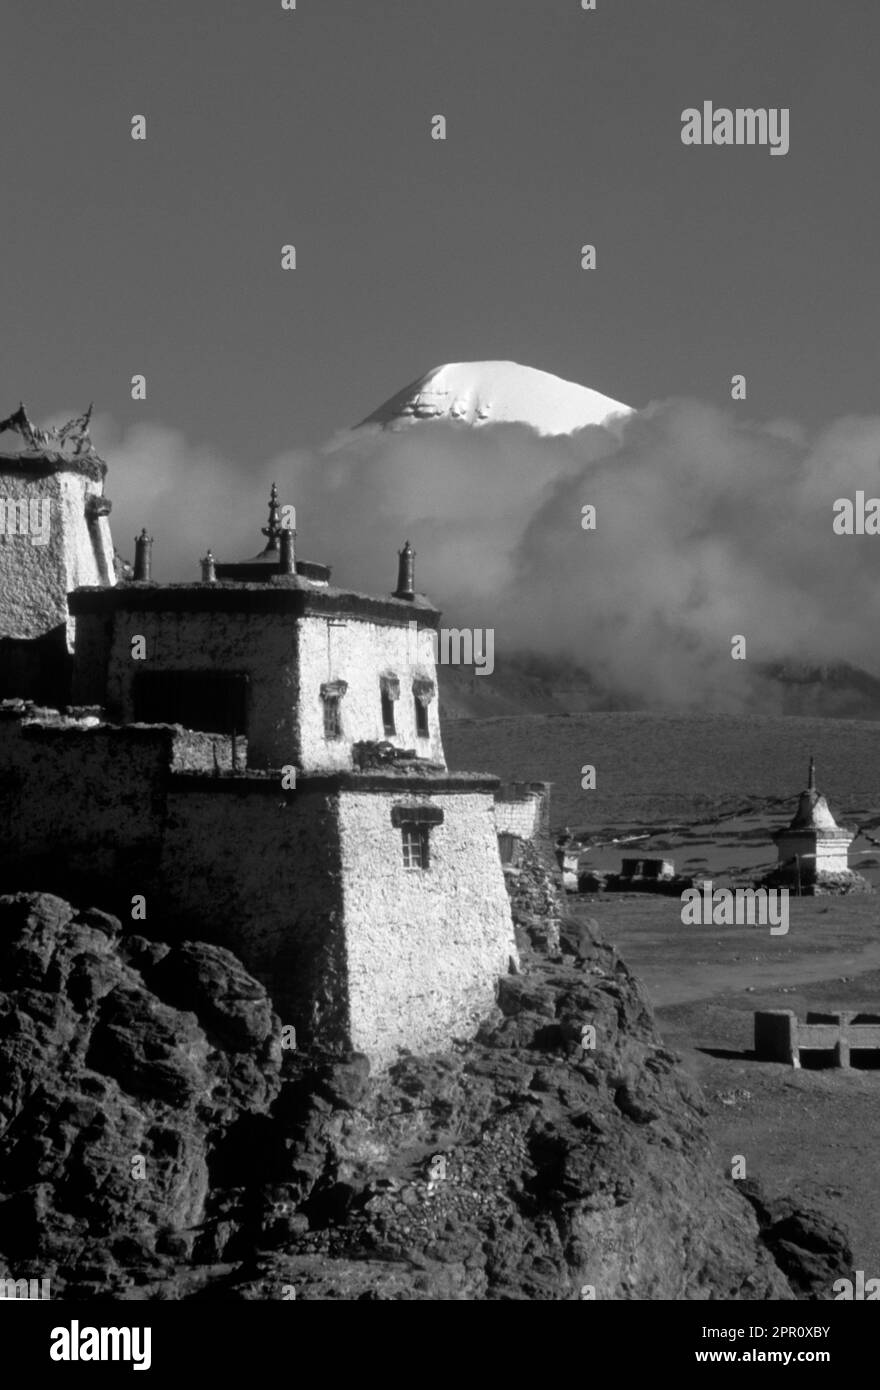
x: 210, y: 702
x: 331, y: 694
x: 415, y: 845
x: 507, y: 847
x: 387, y: 713
x: 815, y: 1058
x: 332, y: 717
x: 865, y: 1059
x: 421, y: 719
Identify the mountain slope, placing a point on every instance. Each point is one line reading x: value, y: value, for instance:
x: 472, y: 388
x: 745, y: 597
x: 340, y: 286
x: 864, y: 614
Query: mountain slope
x: 531, y: 683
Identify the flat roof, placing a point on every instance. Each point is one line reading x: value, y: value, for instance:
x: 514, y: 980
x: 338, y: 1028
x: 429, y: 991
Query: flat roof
x: 278, y: 594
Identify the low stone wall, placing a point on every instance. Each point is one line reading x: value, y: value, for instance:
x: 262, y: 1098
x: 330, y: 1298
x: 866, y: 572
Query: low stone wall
x: 779, y: 1037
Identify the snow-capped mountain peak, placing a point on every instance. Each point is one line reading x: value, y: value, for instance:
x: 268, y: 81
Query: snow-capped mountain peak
x: 478, y: 393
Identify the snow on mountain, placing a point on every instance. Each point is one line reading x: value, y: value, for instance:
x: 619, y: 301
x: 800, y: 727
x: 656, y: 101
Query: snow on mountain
x: 479, y: 393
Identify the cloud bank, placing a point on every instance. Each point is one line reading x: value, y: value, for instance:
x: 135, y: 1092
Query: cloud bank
x: 708, y: 526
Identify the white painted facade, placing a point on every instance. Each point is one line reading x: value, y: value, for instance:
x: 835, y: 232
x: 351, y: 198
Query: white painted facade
x: 289, y: 661
x: 359, y: 653
x: 424, y: 947
x: 819, y: 852
x: 35, y: 578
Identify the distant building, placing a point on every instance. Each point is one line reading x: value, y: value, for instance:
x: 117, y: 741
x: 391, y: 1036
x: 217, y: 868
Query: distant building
x: 813, y: 848
x: 647, y: 876
x: 647, y: 868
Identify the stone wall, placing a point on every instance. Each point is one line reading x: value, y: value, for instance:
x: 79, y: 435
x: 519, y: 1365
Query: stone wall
x: 98, y: 812
x: 258, y: 870
x: 520, y: 818
x: 424, y: 948
x: 258, y: 645
x: 37, y: 668
x: 308, y: 885
x: 523, y: 809
x: 79, y: 804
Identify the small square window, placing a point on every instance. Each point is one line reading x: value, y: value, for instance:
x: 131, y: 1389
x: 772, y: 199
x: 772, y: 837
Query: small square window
x: 332, y: 717
x: 421, y: 718
x: 387, y: 713
x: 415, y: 845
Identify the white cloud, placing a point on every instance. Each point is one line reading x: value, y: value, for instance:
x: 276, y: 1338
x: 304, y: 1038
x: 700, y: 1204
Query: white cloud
x: 708, y: 526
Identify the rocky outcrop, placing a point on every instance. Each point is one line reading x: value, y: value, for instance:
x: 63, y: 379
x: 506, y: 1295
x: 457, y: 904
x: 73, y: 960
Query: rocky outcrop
x: 536, y: 1161
x: 130, y: 1074
x: 808, y: 1245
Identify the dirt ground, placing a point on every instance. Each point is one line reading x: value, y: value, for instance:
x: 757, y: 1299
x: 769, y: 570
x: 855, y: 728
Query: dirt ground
x: 808, y: 1133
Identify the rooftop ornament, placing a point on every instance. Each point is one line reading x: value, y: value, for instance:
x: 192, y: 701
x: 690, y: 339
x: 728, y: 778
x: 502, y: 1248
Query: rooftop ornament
x: 73, y: 437
x: 406, y: 581
x: 274, y: 528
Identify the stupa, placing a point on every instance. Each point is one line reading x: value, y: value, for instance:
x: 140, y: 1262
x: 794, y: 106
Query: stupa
x: 813, y: 849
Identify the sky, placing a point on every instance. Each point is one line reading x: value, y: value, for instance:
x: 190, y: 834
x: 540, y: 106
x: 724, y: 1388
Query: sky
x: 312, y: 127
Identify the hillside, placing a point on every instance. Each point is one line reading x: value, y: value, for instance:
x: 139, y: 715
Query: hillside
x: 513, y: 1167
x: 528, y: 683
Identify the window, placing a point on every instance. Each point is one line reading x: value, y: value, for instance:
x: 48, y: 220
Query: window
x: 423, y: 693
x: 415, y: 845
x: 331, y: 694
x: 387, y: 713
x: 332, y: 717
x: 389, y: 686
x: 421, y: 719
x: 414, y: 823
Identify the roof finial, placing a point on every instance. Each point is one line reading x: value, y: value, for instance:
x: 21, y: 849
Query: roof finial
x: 273, y: 529
x: 406, y: 581
x: 811, y: 785
x: 143, y: 549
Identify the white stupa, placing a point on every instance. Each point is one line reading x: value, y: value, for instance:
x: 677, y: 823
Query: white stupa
x: 813, y: 848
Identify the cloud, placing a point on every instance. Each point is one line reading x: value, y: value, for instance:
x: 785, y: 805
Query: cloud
x: 708, y: 526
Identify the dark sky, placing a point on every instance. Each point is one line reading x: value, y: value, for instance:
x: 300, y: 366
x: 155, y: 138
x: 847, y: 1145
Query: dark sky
x: 313, y: 127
